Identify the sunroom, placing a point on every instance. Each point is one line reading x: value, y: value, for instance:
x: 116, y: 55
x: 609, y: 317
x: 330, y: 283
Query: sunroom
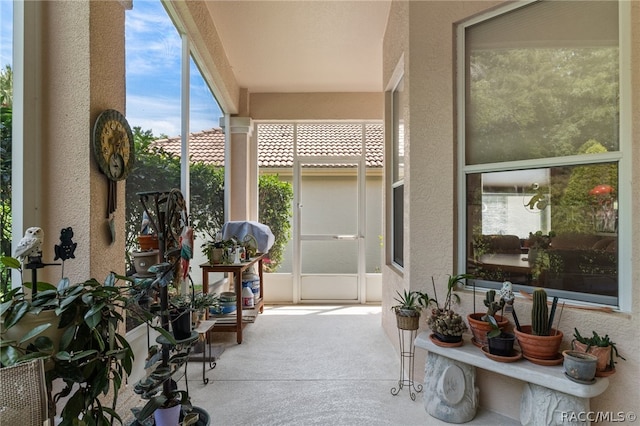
x: 443, y: 88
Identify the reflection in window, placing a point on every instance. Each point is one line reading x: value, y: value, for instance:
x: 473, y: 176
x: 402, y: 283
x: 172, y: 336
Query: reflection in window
x: 542, y: 148
x: 531, y: 95
x: 553, y: 227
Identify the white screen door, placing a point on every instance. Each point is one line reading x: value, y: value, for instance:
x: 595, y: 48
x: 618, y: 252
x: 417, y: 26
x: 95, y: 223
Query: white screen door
x: 329, y: 196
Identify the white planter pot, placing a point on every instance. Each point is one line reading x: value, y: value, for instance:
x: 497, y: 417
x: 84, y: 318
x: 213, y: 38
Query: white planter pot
x: 167, y: 416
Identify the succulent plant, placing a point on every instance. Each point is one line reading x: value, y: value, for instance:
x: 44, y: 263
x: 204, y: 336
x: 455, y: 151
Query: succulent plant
x: 492, y: 305
x: 447, y: 323
x: 540, y: 313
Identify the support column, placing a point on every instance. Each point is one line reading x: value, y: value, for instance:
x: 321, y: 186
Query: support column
x: 241, y: 161
x: 540, y: 405
x: 450, y: 392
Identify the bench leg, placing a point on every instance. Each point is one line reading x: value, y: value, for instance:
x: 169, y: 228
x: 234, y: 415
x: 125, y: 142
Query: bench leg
x: 544, y: 406
x: 450, y: 392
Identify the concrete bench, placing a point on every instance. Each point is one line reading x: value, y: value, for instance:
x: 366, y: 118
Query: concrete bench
x: 548, y: 397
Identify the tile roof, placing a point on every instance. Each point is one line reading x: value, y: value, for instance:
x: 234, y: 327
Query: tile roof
x: 275, y: 144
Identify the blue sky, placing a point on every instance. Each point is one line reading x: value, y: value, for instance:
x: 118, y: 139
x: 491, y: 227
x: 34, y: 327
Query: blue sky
x: 153, y: 49
x: 6, y: 28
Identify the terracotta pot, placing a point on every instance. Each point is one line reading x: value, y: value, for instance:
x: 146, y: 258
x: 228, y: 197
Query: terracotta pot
x: 148, y: 242
x: 479, y: 328
x: 539, y: 347
x: 602, y: 353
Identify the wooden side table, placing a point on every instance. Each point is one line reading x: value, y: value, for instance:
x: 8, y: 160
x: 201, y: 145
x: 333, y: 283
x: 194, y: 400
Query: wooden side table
x: 228, y: 323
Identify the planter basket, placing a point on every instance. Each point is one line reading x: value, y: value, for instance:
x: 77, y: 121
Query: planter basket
x: 408, y: 323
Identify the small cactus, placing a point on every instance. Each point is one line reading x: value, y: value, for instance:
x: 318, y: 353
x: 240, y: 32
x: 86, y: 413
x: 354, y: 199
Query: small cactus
x: 540, y: 313
x: 491, y: 304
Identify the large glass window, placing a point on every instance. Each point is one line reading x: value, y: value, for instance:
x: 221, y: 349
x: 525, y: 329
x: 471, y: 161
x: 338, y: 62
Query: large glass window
x: 397, y: 193
x: 542, y: 149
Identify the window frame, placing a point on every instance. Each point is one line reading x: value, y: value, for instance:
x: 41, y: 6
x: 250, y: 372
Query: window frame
x: 622, y: 156
x: 395, y: 247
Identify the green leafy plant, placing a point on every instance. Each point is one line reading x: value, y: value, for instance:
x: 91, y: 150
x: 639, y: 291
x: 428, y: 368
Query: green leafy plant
x: 410, y: 303
x: 495, y: 328
x: 92, y: 358
x: 443, y: 320
x: 598, y: 341
x: 540, y: 240
x: 164, y: 401
x: 204, y: 301
x: 275, y: 212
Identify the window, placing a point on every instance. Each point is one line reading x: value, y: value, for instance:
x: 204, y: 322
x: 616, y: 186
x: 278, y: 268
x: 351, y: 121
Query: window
x: 541, y: 149
x: 397, y: 117
x: 156, y: 83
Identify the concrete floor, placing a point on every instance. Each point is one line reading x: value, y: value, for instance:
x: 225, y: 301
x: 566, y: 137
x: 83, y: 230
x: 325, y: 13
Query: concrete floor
x: 311, y: 365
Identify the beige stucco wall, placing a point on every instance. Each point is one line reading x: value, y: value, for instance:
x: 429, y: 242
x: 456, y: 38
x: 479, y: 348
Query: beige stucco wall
x: 83, y: 73
x: 316, y: 106
x: 424, y: 33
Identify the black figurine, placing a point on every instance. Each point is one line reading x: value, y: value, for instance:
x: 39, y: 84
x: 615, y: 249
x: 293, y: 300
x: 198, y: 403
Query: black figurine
x: 65, y: 250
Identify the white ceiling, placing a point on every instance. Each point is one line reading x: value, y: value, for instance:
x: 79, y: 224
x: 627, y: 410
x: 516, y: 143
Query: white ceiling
x: 303, y: 45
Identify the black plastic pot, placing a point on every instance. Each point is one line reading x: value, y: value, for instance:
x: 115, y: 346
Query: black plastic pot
x: 181, y: 323
x: 501, y: 345
x: 447, y: 338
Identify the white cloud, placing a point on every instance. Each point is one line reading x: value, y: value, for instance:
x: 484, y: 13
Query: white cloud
x: 153, y: 61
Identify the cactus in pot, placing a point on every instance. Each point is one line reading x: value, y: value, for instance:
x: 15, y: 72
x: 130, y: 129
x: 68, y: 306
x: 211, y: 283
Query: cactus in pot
x: 540, y: 313
x: 539, y: 341
x: 491, y: 304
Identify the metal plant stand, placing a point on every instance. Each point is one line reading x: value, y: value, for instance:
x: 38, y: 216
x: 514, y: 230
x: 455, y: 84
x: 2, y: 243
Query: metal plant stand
x: 407, y: 359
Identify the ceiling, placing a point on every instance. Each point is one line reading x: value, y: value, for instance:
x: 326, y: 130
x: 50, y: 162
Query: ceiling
x: 303, y: 45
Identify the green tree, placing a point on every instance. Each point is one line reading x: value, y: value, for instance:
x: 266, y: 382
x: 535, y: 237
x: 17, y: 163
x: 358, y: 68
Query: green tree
x: 574, y: 205
x: 207, y: 199
x: 541, y: 102
x: 6, y: 102
x: 275, y: 211
x: 154, y: 170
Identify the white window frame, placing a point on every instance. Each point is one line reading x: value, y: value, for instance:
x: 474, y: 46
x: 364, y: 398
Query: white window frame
x: 623, y: 156
x: 396, y: 78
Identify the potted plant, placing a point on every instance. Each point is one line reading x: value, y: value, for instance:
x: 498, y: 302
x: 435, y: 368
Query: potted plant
x: 447, y: 326
x: 499, y: 342
x: 202, y: 302
x: 602, y: 347
x: 165, y: 408
x: 90, y: 356
x: 537, y: 243
x: 180, y: 313
x: 480, y: 324
x: 579, y: 366
x: 409, y: 307
x: 539, y: 341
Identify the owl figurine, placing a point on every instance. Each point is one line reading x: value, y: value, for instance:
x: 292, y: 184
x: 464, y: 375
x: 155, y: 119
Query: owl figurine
x: 30, y: 244
x: 506, y: 292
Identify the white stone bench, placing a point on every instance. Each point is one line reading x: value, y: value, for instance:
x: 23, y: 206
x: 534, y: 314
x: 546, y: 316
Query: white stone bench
x: 548, y: 398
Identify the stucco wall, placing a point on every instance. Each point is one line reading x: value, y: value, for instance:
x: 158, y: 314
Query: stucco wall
x: 424, y: 32
x: 316, y: 106
x: 83, y: 74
